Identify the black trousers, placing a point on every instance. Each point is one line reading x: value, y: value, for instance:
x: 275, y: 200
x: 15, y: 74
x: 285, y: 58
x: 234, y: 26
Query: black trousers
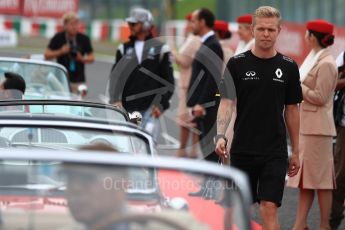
x: 208, y: 127
x: 338, y: 203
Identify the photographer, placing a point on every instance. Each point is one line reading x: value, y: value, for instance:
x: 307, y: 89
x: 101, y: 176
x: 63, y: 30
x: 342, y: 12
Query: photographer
x: 72, y: 50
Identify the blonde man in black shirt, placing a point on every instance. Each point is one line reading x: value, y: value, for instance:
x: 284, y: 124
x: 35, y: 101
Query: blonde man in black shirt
x: 72, y: 49
x: 267, y: 86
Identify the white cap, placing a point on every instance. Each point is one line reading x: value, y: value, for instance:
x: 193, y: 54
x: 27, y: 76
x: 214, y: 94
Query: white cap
x: 140, y: 15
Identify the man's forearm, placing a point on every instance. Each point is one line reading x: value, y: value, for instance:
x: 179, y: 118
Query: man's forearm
x: 224, y: 115
x: 51, y: 54
x: 292, y: 122
x: 89, y: 58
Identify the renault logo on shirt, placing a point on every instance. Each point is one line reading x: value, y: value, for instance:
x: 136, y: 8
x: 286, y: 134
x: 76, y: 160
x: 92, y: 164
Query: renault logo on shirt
x: 279, y: 74
x: 250, y: 74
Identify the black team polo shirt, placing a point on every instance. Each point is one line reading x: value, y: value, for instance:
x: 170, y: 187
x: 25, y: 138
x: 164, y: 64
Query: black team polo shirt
x: 263, y: 88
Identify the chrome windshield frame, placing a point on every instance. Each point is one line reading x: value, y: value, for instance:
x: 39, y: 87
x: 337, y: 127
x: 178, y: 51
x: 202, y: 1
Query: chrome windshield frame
x: 62, y: 102
x: 10, y: 120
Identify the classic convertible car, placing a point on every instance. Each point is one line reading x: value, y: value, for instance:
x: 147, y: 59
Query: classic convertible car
x: 46, y: 131
x: 110, y: 190
x: 44, y: 79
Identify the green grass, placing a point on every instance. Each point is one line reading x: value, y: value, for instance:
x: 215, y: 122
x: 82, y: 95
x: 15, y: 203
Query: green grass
x: 183, y: 7
x: 116, y: 12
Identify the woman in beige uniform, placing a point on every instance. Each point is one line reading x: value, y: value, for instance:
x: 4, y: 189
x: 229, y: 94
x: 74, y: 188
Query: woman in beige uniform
x: 221, y: 28
x: 184, y: 58
x: 318, y: 77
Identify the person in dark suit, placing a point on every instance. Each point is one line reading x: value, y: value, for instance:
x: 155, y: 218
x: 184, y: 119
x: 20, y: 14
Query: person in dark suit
x: 202, y: 98
x: 206, y: 73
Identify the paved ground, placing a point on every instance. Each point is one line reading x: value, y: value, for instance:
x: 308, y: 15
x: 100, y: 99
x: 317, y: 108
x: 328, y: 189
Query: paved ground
x: 105, y: 48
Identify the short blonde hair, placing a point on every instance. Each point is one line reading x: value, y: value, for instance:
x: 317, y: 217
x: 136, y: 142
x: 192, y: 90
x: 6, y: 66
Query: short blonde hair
x: 266, y: 12
x: 69, y: 16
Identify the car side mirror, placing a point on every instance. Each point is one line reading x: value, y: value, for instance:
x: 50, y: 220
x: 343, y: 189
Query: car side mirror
x: 135, y: 117
x: 82, y: 90
x: 178, y: 203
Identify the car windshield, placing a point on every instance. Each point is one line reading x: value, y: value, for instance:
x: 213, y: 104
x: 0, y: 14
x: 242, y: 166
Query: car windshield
x: 63, y: 108
x: 41, y: 80
x: 68, y: 195
x: 70, y: 138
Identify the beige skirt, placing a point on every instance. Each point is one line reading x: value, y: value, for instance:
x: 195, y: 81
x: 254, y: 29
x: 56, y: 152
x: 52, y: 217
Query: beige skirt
x: 316, y: 161
x: 182, y: 117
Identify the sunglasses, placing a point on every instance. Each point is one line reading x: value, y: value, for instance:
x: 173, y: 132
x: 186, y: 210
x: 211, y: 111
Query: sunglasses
x: 132, y: 23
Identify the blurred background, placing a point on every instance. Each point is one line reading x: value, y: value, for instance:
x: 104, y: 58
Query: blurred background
x: 292, y: 10
x: 27, y: 25
x: 103, y: 20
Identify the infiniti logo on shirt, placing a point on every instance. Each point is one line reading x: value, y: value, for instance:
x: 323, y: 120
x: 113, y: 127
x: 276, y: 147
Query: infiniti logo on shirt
x: 250, y: 74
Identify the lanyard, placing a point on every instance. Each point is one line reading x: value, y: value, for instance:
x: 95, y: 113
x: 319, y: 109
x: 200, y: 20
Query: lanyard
x: 71, y: 41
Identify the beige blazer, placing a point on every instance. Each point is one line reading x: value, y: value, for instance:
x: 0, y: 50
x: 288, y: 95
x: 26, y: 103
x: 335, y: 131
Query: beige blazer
x: 185, y: 59
x: 316, y: 112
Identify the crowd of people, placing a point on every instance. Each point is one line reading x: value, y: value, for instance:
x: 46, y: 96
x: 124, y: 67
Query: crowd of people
x: 236, y: 105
